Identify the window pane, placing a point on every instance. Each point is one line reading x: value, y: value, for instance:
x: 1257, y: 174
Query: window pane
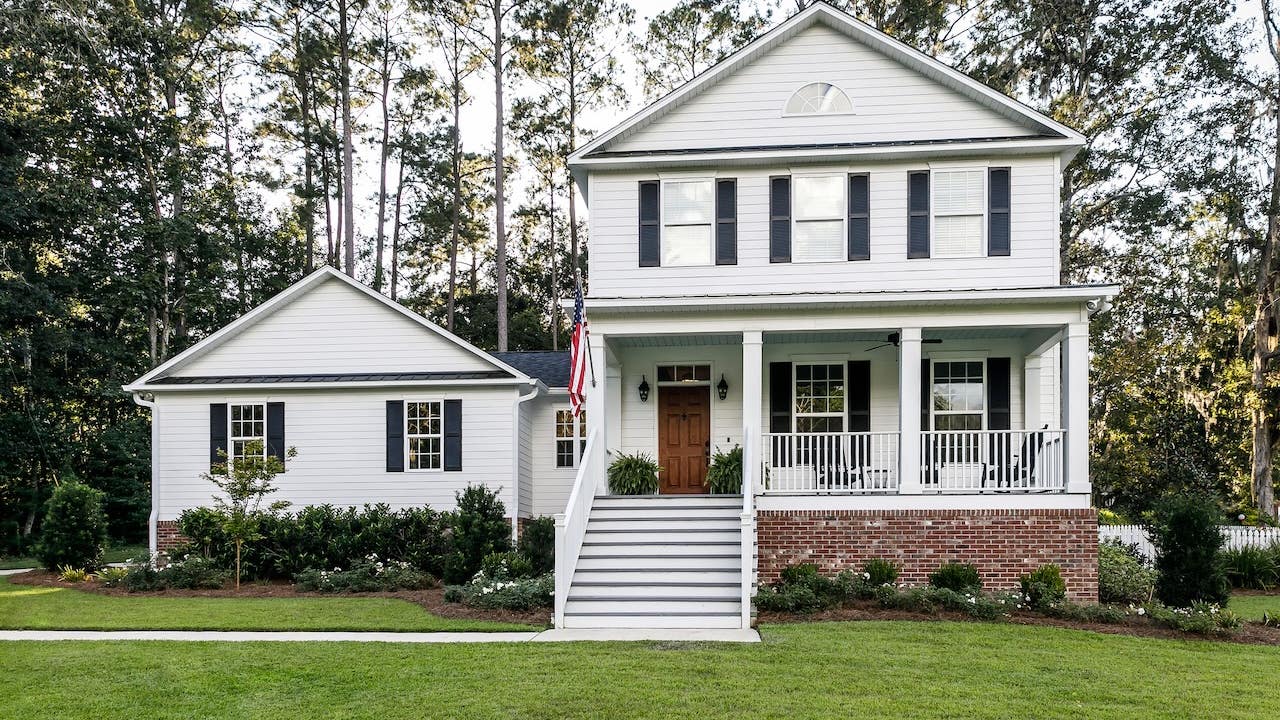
x: 957, y: 191
x: 702, y: 372
x: 958, y: 236
x: 684, y: 373
x: 687, y: 202
x: 818, y: 198
x: 818, y: 98
x: 818, y: 241
x: 686, y: 245
x: 666, y: 373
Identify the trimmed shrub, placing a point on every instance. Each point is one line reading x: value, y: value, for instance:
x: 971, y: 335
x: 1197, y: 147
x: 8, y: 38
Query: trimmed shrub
x: 1184, y: 530
x: 1200, y: 618
x: 369, y: 575
x: 506, y: 566
x: 1123, y: 576
x: 1109, y: 614
x: 1252, y: 567
x: 504, y: 594
x: 635, y: 474
x: 75, y: 528
x: 194, y: 572
x: 111, y: 576
x: 1043, y: 587
x: 878, y: 571
x: 932, y: 599
x: 480, y: 528
x: 960, y: 577
x: 538, y: 544
x: 800, y: 588
x: 143, y: 577
x: 724, y: 477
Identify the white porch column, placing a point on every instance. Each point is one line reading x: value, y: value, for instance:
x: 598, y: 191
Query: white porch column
x: 752, y: 399
x: 1031, y: 392
x: 909, y: 412
x: 598, y: 409
x: 1075, y: 405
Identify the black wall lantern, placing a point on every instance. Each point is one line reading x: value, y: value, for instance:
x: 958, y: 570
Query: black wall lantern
x: 644, y: 389
x: 722, y: 388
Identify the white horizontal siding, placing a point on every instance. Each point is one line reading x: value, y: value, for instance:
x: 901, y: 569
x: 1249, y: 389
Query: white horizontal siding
x: 551, y: 484
x: 333, y: 328
x: 614, y: 260
x: 340, y: 436
x: 528, y: 413
x: 890, y: 101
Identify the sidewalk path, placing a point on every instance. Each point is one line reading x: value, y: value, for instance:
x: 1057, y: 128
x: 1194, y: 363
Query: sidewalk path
x: 386, y: 637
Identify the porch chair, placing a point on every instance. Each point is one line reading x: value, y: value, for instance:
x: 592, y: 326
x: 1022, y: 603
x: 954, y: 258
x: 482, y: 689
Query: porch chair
x: 1018, y: 470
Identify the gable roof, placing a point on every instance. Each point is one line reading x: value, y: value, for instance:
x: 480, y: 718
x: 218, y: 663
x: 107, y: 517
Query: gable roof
x: 1047, y: 133
x: 163, y: 374
x: 551, y: 367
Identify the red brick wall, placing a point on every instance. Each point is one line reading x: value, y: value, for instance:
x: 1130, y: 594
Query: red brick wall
x: 1002, y: 543
x: 167, y: 535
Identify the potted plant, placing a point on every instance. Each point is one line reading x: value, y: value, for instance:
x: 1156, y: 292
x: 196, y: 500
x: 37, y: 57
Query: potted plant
x: 635, y: 474
x: 725, y: 474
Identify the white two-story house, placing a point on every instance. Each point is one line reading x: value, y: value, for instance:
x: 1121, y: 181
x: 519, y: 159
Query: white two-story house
x: 829, y: 249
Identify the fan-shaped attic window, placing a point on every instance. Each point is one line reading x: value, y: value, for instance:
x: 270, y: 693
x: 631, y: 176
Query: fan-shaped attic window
x: 818, y: 99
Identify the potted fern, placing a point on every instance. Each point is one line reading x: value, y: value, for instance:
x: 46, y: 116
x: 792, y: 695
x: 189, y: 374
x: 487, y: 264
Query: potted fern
x: 634, y: 474
x: 725, y: 474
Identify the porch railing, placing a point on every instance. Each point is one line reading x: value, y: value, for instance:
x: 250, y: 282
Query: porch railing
x: 571, y: 526
x: 865, y: 462
x: 992, y: 461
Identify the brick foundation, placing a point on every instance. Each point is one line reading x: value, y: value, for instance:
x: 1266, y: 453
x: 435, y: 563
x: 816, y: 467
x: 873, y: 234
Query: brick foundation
x: 167, y: 535
x: 1002, y: 543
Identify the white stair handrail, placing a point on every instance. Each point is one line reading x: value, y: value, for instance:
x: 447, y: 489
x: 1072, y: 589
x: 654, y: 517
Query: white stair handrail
x: 571, y: 527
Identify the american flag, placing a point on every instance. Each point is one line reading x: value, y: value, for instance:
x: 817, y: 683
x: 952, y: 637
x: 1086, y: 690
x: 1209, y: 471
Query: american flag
x: 578, y: 355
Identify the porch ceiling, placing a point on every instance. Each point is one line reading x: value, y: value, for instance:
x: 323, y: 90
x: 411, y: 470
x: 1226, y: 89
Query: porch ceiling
x: 675, y: 340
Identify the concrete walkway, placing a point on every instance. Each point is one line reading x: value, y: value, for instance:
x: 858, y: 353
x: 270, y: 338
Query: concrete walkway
x: 387, y: 637
x: 16, y: 571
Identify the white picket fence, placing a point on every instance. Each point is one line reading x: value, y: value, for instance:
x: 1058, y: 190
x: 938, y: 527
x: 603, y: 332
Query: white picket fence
x: 1237, y: 536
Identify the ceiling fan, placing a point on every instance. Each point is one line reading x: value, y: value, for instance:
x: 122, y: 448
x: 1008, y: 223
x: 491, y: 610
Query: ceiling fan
x: 895, y: 338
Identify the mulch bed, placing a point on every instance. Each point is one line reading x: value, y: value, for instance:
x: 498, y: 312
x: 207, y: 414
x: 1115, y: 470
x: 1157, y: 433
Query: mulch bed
x: 431, y: 599
x: 1251, y: 633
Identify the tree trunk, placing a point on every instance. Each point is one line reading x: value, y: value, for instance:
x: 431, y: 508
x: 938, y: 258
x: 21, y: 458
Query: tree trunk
x: 456, y: 165
x: 573, y: 142
x: 348, y: 154
x: 303, y: 80
x: 555, y: 260
x: 1263, y: 351
x: 380, y: 237
x: 233, y: 214
x: 499, y: 179
x: 395, y: 228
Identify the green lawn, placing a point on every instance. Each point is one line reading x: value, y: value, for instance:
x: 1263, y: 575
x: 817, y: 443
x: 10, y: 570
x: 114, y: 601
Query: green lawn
x: 1251, y: 607
x: 840, y: 670
x: 112, y: 555
x: 44, y: 608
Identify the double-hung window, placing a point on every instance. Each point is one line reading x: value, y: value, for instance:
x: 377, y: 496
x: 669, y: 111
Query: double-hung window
x: 819, y: 397
x: 688, y: 211
x: 959, y: 208
x: 424, y: 433
x: 571, y: 438
x: 819, y: 216
x: 959, y: 397
x: 248, y: 431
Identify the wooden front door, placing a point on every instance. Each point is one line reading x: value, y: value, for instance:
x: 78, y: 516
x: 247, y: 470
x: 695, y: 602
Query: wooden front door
x: 684, y: 438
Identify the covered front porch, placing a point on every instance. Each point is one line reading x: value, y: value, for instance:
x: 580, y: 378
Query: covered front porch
x: 957, y: 404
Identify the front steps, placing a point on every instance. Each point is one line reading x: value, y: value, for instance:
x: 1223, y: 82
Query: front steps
x: 659, y: 562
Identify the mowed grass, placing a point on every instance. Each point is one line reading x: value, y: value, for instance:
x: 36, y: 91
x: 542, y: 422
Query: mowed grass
x: 819, y: 670
x: 111, y: 555
x: 1251, y: 607
x: 44, y: 608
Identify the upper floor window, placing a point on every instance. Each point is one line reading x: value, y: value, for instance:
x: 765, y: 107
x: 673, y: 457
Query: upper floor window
x: 958, y: 212
x: 688, y: 210
x: 818, y: 98
x: 819, y: 218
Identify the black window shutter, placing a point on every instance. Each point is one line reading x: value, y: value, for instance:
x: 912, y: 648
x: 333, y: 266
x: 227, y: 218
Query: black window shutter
x: 452, y: 434
x: 998, y: 202
x: 859, y: 217
x: 779, y: 397
x: 918, y: 214
x: 858, y: 395
x: 217, y: 433
x: 395, y: 436
x: 275, y: 430
x: 999, y: 392
x: 650, y: 221
x: 926, y: 393
x: 780, y: 219
x: 727, y: 222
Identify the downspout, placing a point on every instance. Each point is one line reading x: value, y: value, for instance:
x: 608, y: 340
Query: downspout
x: 515, y: 456
x: 148, y: 400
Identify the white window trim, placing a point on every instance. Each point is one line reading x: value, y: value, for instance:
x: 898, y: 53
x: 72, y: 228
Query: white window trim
x: 843, y: 175
x: 933, y: 411
x: 578, y: 439
x: 840, y: 113
x: 231, y: 438
x: 844, y: 380
x: 407, y: 444
x: 711, y: 369
x: 984, y: 208
x: 664, y: 181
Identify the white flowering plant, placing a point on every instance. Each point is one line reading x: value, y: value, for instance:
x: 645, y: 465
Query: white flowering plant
x: 372, y: 574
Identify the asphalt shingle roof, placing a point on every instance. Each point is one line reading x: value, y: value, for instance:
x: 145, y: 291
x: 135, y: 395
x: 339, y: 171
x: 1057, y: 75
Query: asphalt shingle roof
x: 552, y: 368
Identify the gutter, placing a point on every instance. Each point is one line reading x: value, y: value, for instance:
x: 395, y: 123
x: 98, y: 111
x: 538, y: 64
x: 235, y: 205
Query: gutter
x: 515, y: 458
x: 147, y: 400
